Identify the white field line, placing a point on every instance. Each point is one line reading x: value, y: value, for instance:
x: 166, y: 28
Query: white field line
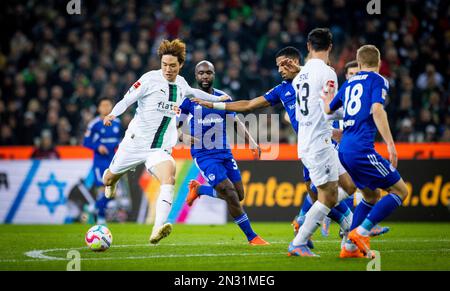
x: 37, y: 255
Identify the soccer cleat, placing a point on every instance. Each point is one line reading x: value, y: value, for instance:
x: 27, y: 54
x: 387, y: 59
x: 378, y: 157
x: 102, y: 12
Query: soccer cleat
x: 110, y: 191
x: 300, y: 251
x: 258, y: 241
x: 362, y: 242
x: 193, y: 192
x: 161, y: 233
x: 325, y: 229
x: 296, y: 223
x: 378, y: 230
x: 346, y: 254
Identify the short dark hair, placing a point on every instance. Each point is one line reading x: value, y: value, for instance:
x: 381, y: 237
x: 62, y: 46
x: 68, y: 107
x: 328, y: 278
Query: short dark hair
x: 101, y: 99
x: 289, y: 52
x: 320, y: 39
x: 351, y: 64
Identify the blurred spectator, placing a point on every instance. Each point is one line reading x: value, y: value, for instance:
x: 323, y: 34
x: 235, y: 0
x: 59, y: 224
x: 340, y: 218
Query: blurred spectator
x: 46, y: 148
x: 53, y: 68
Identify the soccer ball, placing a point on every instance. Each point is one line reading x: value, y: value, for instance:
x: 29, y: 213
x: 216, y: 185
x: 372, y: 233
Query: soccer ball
x: 98, y: 238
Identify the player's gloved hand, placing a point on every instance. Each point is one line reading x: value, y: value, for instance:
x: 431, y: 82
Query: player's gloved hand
x: 256, y: 153
x: 102, y: 150
x: 392, y: 154
x: 107, y: 121
x: 203, y: 103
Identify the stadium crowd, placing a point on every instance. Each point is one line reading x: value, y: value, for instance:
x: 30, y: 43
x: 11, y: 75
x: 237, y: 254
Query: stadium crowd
x: 54, y: 66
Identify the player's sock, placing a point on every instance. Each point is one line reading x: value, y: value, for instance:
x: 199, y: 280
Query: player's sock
x: 358, y: 197
x: 360, y: 213
x: 101, y: 205
x: 244, y: 223
x: 163, y: 205
x: 207, y: 190
x: 307, y: 203
x: 313, y: 219
x: 342, y: 194
x: 350, y: 203
x: 342, y: 215
x: 380, y: 211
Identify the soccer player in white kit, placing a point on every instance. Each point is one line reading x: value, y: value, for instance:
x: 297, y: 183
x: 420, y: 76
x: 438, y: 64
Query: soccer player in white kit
x: 152, y: 132
x: 315, y: 148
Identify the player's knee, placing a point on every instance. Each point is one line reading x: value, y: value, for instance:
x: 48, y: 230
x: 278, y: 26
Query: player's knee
x: 169, y: 179
x: 401, y: 190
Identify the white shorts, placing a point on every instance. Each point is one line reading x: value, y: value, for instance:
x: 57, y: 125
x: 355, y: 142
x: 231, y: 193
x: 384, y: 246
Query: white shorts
x: 323, y: 166
x: 129, y: 156
x: 341, y: 169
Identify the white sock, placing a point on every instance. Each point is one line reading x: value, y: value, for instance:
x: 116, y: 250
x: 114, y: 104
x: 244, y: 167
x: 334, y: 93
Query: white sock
x: 358, y: 197
x: 313, y: 219
x: 349, y: 246
x: 163, y: 206
x: 346, y: 223
x: 342, y: 195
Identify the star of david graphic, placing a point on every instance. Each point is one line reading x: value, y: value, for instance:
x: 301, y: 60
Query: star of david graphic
x: 43, y: 186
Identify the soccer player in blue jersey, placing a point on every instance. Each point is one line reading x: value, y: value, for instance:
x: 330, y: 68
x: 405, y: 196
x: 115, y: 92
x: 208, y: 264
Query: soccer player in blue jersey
x: 362, y: 98
x: 212, y: 153
x: 103, y: 141
x: 284, y: 93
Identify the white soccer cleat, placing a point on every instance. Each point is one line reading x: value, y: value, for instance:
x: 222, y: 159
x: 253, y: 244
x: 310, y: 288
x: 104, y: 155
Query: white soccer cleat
x: 110, y: 191
x: 161, y: 233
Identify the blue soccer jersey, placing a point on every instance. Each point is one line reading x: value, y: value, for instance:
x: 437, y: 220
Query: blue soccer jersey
x: 109, y: 136
x: 356, y: 150
x: 212, y: 154
x: 284, y: 93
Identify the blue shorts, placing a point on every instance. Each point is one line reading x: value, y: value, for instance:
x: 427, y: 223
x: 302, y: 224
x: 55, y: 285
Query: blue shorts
x: 369, y: 170
x: 217, y: 169
x: 99, y: 169
x: 306, y: 177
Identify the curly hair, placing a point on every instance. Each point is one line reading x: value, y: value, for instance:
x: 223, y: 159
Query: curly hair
x: 176, y: 48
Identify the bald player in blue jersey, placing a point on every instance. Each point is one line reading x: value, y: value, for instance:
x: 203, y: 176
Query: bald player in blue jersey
x: 211, y: 153
x: 284, y: 93
x: 362, y: 98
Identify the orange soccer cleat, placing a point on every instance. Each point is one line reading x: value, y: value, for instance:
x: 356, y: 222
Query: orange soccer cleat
x: 346, y: 254
x: 362, y: 242
x: 258, y: 241
x: 193, y: 192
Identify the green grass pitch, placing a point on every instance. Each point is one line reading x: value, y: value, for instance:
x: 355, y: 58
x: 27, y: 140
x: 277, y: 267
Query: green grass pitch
x: 408, y: 246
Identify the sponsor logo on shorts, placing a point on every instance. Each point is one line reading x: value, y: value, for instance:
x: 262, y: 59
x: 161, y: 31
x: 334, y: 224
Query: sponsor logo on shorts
x: 211, y: 177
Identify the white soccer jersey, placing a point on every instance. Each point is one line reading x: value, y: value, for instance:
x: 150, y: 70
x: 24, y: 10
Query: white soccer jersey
x: 314, y: 131
x: 154, y: 124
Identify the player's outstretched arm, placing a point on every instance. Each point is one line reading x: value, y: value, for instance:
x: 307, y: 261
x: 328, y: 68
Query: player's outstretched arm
x: 236, y: 106
x: 382, y: 123
x: 199, y: 94
x: 242, y: 130
x: 130, y: 98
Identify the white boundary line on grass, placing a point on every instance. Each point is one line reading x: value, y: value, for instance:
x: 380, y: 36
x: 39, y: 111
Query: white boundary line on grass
x: 41, y: 255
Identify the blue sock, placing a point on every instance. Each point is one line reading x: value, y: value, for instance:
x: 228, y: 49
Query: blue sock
x: 360, y: 213
x: 335, y: 215
x: 350, y: 203
x: 207, y: 190
x: 343, y: 208
x: 381, y: 210
x: 314, y: 189
x: 244, y: 223
x: 307, y: 203
x: 101, y: 205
